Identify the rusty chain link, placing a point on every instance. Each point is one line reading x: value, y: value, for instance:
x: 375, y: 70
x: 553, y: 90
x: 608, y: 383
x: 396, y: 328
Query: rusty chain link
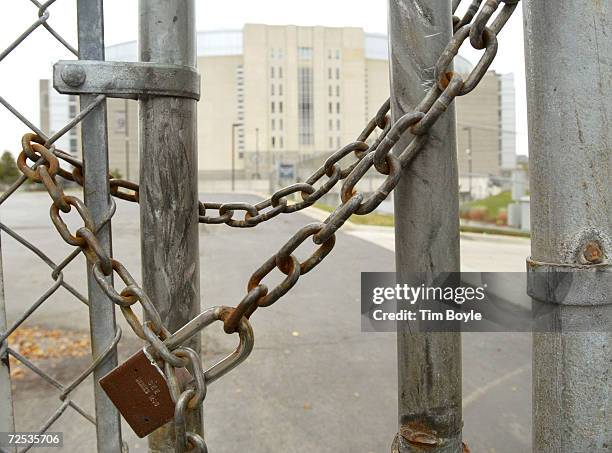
x: 475, y: 24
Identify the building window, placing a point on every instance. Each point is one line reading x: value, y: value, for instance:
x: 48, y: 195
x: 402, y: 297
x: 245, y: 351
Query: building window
x: 338, y: 142
x: 273, y: 142
x: 337, y: 107
x: 329, y: 73
x: 273, y: 126
x: 281, y: 142
x: 73, y: 110
x: 240, y: 105
x: 329, y: 54
x: 330, y: 91
x: 280, y: 73
x: 272, y: 89
x: 337, y: 54
x: 280, y: 53
x: 331, y: 143
x: 338, y: 90
x: 241, y: 155
x: 272, y: 72
x: 272, y: 106
x: 305, y: 53
x: 331, y: 124
x: 337, y: 124
x: 272, y: 53
x: 331, y: 108
x: 305, y: 106
x: 73, y: 145
x: 280, y: 107
x: 280, y: 124
x: 280, y: 89
x: 337, y: 73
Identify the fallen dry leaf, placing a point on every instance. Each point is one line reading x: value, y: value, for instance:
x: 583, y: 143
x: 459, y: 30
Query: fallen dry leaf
x: 38, y: 343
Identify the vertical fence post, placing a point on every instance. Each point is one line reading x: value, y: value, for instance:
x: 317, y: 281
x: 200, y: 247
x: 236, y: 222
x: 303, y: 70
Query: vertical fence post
x: 97, y: 198
x: 568, y: 54
x: 426, y: 231
x: 7, y: 422
x: 169, y: 184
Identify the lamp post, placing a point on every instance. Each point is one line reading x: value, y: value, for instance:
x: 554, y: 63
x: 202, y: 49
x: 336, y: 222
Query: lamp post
x: 234, y: 126
x: 468, y: 151
x: 257, y: 152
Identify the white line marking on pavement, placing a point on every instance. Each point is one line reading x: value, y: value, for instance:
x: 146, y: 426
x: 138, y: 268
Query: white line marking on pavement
x: 480, y: 392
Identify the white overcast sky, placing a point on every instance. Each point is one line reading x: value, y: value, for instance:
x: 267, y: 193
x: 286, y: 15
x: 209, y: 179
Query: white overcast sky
x: 33, y: 59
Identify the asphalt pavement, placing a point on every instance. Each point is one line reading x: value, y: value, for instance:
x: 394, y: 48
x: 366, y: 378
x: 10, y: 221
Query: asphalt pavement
x: 314, y: 382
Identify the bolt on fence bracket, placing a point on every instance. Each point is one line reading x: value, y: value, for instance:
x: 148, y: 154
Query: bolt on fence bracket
x: 132, y: 80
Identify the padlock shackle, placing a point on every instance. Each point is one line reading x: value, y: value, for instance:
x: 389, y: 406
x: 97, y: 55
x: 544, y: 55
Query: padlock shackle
x: 203, y: 320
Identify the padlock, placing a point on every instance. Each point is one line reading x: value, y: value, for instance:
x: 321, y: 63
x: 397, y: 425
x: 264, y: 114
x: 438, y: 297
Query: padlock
x: 139, y: 389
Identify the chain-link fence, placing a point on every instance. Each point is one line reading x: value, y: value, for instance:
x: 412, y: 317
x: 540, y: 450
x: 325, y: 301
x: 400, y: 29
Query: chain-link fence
x: 24, y: 353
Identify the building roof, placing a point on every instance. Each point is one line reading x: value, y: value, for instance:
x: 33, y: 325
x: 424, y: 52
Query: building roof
x: 229, y: 42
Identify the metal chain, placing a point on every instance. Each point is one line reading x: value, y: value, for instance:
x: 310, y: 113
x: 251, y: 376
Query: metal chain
x: 447, y: 86
x: 45, y: 169
x: 474, y: 24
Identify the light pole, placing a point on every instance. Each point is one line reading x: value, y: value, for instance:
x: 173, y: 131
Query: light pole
x: 257, y: 152
x: 468, y: 151
x: 234, y: 126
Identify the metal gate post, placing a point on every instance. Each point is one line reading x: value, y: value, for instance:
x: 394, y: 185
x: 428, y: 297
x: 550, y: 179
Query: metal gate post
x: 97, y: 198
x: 568, y: 54
x: 7, y: 422
x: 426, y: 231
x: 169, y: 183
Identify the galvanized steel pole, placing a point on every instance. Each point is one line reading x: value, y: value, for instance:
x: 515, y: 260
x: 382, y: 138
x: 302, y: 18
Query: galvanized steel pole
x: 96, y: 193
x: 169, y: 183
x: 7, y: 421
x: 568, y: 55
x: 426, y: 231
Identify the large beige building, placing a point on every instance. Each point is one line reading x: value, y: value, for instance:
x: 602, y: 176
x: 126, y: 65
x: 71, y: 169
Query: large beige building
x: 297, y: 93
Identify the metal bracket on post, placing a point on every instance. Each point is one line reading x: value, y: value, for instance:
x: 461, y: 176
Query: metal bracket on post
x: 132, y: 80
x: 569, y: 284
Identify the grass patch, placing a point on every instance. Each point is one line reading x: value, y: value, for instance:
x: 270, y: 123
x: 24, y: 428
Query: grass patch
x: 387, y: 220
x: 369, y: 219
x: 492, y: 204
x: 484, y: 230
